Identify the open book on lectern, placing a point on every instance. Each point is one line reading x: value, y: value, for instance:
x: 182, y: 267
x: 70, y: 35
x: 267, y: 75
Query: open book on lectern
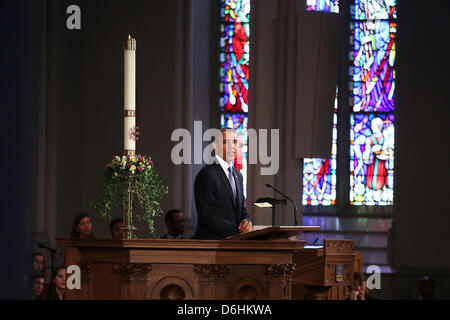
x: 274, y: 232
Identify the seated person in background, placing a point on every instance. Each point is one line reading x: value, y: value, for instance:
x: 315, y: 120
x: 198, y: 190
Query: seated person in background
x: 58, y: 286
x: 37, y: 286
x: 115, y: 227
x: 38, y: 263
x: 82, y: 227
x: 426, y: 288
x: 175, y: 224
x: 359, y: 289
x: 36, y: 266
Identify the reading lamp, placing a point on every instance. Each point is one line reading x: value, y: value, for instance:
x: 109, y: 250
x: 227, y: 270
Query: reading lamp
x: 269, y: 202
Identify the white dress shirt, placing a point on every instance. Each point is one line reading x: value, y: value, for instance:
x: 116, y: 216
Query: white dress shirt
x: 224, y: 165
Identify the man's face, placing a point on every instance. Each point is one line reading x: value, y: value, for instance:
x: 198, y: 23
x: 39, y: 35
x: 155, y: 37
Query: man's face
x: 38, y: 264
x: 117, y: 232
x: 38, y: 286
x: 177, y: 224
x: 227, y: 147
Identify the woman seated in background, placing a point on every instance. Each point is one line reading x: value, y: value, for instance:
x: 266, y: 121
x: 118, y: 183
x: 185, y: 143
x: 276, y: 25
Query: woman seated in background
x: 58, y: 285
x: 82, y: 227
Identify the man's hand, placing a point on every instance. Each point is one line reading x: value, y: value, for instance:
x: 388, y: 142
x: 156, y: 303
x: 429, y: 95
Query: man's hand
x: 245, y: 226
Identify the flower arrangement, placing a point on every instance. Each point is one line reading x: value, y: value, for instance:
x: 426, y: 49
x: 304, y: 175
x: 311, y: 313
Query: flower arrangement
x: 126, y: 176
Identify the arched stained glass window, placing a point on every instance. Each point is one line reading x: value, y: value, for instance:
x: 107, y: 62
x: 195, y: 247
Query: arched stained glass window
x: 319, y: 175
x: 234, y: 74
x: 323, y: 5
x: 373, y: 28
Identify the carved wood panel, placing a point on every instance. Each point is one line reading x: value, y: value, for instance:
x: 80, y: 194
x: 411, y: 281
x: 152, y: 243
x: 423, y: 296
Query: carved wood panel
x: 338, y: 246
x: 212, y: 271
x: 128, y: 271
x: 279, y: 270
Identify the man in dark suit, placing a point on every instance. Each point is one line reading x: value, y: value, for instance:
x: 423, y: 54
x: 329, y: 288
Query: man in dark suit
x: 175, y: 224
x: 219, y: 197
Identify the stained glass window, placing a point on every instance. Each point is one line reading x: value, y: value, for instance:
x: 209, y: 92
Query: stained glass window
x: 239, y: 123
x: 373, y: 28
x: 372, y: 37
x: 373, y: 55
x: 319, y: 175
x: 374, y: 9
x: 234, y: 75
x: 371, y: 159
x: 322, y: 5
x: 234, y: 57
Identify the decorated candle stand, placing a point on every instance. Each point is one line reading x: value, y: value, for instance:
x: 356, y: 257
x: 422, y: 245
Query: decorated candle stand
x: 131, y: 174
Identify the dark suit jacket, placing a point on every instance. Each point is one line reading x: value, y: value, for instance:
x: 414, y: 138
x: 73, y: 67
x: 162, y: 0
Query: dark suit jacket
x: 218, y: 214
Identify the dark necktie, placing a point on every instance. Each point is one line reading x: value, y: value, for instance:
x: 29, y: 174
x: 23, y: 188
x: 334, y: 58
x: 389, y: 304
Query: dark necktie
x: 231, y: 180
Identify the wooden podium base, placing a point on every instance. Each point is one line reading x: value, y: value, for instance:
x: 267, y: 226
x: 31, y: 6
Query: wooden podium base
x: 209, y: 269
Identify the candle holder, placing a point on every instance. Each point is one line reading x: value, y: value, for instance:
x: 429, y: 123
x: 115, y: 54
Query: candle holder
x: 128, y: 178
x: 129, y: 187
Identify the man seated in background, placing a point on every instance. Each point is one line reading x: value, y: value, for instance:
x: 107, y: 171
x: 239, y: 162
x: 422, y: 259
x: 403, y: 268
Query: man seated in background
x: 38, y: 263
x: 174, y: 220
x: 37, y: 287
x: 115, y: 227
x: 36, y: 266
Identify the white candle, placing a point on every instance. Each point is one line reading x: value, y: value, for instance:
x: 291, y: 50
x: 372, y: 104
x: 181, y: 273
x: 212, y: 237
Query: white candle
x: 129, y: 119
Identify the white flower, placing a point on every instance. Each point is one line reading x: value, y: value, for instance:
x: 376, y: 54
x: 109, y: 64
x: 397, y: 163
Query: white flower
x: 117, y: 158
x: 124, y: 158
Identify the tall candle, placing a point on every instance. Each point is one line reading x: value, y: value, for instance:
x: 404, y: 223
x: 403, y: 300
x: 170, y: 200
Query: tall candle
x: 129, y: 119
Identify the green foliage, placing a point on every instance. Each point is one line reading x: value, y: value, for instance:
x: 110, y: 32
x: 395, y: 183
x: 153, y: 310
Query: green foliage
x: 135, y: 175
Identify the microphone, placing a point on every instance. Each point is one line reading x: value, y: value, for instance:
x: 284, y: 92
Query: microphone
x: 43, y: 246
x: 295, y: 206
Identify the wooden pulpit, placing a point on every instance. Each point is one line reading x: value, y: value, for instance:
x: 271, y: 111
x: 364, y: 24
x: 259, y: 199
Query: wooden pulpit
x: 259, y: 265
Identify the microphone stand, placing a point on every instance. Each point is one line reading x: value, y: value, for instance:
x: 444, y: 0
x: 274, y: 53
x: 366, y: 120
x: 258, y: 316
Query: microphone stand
x: 52, y: 261
x: 52, y: 257
x: 295, y: 206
